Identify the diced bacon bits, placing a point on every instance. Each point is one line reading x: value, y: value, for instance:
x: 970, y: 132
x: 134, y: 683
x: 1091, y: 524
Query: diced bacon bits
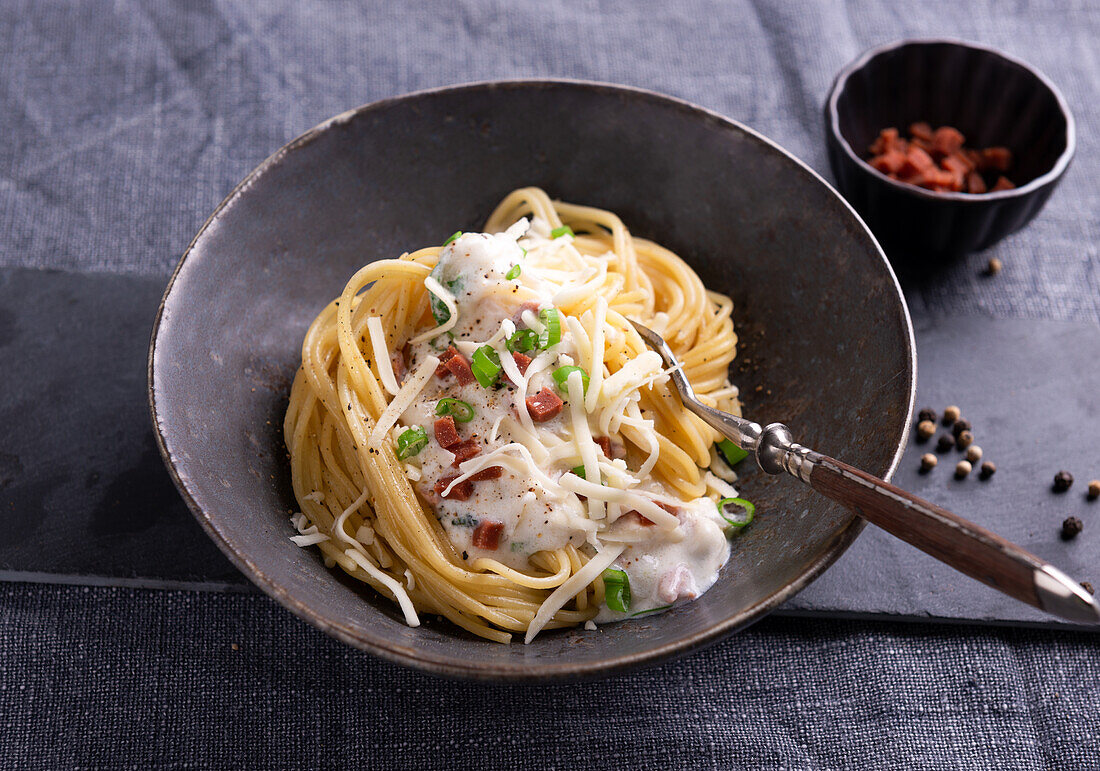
x: 464, y: 451
x: 673, y: 510
x: 491, y: 472
x: 460, y: 492
x: 937, y: 160
x: 487, y: 534
x: 522, y: 360
x: 441, y: 370
x: 517, y: 317
x: 446, y: 433
x: 643, y: 521
x: 605, y: 444
x: 677, y: 583
x: 544, y: 406
x: 460, y: 368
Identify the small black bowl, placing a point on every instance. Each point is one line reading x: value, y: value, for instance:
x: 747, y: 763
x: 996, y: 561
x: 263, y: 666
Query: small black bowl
x: 993, y: 99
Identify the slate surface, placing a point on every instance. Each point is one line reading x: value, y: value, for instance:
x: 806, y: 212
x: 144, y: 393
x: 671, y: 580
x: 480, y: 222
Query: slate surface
x: 85, y: 496
x: 1031, y: 389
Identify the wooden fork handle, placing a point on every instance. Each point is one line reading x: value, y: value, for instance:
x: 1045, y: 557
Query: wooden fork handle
x: 965, y: 546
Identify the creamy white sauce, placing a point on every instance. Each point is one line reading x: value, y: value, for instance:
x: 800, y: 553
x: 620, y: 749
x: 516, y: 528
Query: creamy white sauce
x: 665, y: 565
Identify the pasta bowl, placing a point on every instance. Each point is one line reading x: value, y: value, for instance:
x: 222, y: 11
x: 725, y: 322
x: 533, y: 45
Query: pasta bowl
x: 826, y: 340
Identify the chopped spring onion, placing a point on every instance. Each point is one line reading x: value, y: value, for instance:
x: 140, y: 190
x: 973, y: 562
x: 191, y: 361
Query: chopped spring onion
x: 731, y: 452
x: 513, y: 273
x: 564, y: 230
x: 551, y: 327
x: 411, y: 441
x: 454, y: 237
x: 523, y: 340
x: 650, y: 610
x: 561, y: 377
x: 486, y: 365
x: 737, y: 511
x: 616, y: 588
x: 524, y: 251
x: 579, y: 471
x: 460, y: 410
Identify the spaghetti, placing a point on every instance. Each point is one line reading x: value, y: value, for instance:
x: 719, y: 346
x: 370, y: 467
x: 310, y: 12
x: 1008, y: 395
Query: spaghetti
x: 477, y: 432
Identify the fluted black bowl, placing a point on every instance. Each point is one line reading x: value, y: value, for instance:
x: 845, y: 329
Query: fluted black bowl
x: 820, y: 313
x: 992, y: 98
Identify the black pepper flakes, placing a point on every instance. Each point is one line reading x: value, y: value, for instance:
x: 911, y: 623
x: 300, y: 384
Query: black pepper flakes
x: 1071, y: 526
x: 1063, y: 480
x: 1088, y: 587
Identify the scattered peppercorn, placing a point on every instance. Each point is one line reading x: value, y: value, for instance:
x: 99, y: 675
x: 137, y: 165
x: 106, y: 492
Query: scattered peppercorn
x: 927, y: 414
x: 925, y: 429
x: 951, y: 414
x: 1071, y: 527
x: 1088, y: 587
x: 964, y: 439
x: 928, y: 462
x: 944, y: 443
x: 989, y: 468
x: 962, y: 424
x: 973, y: 453
x: 962, y: 468
x: 1094, y: 490
x: 1063, y: 480
x: 994, y: 267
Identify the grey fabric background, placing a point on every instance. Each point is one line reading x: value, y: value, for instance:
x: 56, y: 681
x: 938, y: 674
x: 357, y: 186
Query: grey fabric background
x: 123, y: 124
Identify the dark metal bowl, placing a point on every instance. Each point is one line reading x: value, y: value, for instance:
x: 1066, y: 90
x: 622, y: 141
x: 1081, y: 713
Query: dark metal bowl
x: 827, y: 336
x: 992, y: 98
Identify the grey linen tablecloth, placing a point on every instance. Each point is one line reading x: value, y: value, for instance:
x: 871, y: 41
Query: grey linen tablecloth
x: 123, y: 124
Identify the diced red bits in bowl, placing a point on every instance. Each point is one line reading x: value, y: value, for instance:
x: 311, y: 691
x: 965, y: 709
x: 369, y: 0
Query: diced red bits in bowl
x: 487, y: 534
x: 544, y: 406
x: 938, y: 160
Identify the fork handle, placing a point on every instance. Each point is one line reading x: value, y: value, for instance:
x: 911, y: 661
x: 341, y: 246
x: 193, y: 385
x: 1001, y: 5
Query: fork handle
x: 957, y: 542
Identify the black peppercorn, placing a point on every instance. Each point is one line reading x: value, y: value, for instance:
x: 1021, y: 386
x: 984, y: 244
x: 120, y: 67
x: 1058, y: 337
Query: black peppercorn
x: 1071, y: 527
x: 960, y: 425
x: 950, y: 415
x: 1063, y: 480
x: 927, y: 414
x: 989, y: 468
x: 964, y: 439
x: 1088, y: 587
x: 944, y: 443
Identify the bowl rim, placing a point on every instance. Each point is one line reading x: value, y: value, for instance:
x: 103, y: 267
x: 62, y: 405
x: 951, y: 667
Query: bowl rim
x: 1057, y: 170
x: 520, y: 671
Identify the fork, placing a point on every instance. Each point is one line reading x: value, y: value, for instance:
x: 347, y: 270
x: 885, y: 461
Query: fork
x: 965, y: 546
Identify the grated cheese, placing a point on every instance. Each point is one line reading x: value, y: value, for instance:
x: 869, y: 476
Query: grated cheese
x: 408, y: 393
x: 381, y: 354
x: 447, y: 299
x: 571, y: 588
